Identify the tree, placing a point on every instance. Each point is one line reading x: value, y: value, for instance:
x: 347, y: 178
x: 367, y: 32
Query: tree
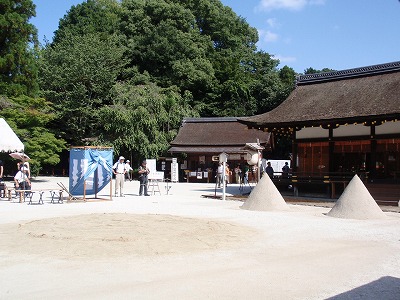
x: 154, y: 57
x: 77, y: 75
x: 145, y: 119
x: 200, y: 46
x: 314, y: 71
x: 18, y: 48
x: 92, y: 16
x: 29, y: 118
x: 148, y: 118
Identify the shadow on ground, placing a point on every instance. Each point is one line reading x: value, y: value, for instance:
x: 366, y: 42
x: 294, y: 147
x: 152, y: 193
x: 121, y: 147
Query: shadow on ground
x: 387, y: 288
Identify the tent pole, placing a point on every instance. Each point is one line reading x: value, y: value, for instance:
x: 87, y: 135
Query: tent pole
x: 84, y: 190
x: 96, y: 180
x: 111, y: 187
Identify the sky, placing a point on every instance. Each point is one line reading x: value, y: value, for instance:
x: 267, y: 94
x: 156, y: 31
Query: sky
x: 334, y: 34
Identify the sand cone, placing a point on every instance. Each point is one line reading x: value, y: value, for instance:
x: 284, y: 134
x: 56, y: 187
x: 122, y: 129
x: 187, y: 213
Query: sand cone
x: 356, y: 203
x: 265, y: 196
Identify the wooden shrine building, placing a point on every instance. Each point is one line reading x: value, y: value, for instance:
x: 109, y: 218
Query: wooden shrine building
x: 342, y: 122
x: 201, y: 139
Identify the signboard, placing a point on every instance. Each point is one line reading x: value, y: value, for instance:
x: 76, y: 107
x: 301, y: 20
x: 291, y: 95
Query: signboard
x: 202, y: 159
x: 174, y: 170
x: 223, y: 157
x: 234, y: 157
x: 154, y: 174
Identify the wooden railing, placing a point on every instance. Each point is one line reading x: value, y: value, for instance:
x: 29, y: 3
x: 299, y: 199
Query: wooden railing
x: 331, y: 180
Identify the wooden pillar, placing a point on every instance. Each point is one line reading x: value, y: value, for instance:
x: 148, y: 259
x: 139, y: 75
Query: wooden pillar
x: 331, y: 149
x: 294, y: 163
x: 294, y: 151
x: 372, y: 162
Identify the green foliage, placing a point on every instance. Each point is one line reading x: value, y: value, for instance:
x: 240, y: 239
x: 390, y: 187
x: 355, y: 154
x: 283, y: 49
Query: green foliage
x: 143, y: 119
x: 125, y: 73
x: 18, y: 71
x: 314, y: 71
x: 77, y: 75
x: 29, y: 118
x: 92, y: 16
x: 200, y: 46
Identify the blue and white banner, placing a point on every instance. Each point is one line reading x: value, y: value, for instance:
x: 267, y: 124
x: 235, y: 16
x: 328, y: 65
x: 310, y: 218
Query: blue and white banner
x: 91, y: 165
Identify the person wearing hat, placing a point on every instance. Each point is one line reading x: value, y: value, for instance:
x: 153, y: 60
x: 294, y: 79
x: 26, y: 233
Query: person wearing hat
x: 21, y: 179
x: 143, y: 172
x: 119, y: 171
x: 128, y: 169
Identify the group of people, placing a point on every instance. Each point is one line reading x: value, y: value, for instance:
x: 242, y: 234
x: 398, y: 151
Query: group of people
x: 242, y: 173
x: 21, y: 179
x: 122, y: 171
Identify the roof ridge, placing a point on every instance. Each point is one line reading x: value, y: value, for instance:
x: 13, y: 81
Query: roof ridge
x: 210, y: 119
x: 355, y: 72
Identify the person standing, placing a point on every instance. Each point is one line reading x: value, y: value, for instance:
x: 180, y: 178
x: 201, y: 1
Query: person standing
x: 3, y: 187
x: 128, y: 169
x: 285, y: 170
x: 269, y: 170
x: 245, y: 173
x: 1, y: 170
x: 228, y: 174
x: 220, y: 174
x: 143, y: 173
x: 238, y: 174
x: 119, y: 171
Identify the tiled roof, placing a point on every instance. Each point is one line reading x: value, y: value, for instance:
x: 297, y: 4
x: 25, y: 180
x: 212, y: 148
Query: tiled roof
x: 195, y: 149
x: 217, y: 132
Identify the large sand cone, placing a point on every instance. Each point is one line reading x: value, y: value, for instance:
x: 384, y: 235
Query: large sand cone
x: 356, y: 203
x: 265, y: 196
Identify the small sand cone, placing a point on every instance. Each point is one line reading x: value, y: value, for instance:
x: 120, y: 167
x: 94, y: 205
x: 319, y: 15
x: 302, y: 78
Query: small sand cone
x: 356, y: 203
x: 265, y: 197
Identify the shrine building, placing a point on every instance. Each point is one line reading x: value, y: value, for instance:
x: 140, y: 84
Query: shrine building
x: 342, y: 122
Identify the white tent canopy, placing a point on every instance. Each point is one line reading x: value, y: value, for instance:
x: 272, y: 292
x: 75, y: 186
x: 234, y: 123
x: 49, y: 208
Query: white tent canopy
x: 9, y: 142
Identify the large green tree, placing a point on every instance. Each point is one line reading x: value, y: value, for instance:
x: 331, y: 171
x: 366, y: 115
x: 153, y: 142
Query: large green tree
x: 20, y: 105
x: 77, y: 75
x: 200, y: 49
x: 18, y: 48
x: 201, y: 46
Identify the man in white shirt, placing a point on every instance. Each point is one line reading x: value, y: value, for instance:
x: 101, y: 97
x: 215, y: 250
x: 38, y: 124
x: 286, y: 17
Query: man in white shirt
x: 220, y: 174
x: 128, y: 169
x: 21, y: 179
x: 119, y: 171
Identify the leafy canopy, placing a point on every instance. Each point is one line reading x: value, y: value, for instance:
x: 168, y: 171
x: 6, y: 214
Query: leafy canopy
x: 18, y: 47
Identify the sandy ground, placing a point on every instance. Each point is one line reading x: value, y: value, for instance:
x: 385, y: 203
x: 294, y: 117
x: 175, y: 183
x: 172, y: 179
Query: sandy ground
x: 183, y: 246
